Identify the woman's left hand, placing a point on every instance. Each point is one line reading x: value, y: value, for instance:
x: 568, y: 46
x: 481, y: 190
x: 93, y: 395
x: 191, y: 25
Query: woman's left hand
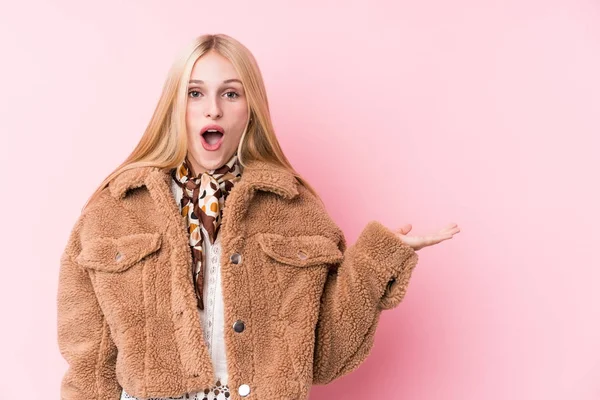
x: 418, y: 242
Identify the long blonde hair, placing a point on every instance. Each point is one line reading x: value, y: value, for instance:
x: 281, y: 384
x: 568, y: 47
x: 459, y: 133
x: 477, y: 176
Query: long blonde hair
x: 164, y: 143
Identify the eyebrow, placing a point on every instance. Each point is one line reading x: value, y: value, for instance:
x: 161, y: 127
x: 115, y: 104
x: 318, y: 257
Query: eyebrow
x: 225, y: 81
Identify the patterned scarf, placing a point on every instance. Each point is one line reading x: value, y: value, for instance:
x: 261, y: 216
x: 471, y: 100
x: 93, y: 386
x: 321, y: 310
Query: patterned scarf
x: 202, y: 202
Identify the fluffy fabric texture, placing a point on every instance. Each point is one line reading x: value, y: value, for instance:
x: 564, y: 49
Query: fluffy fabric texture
x: 202, y: 204
x: 127, y: 309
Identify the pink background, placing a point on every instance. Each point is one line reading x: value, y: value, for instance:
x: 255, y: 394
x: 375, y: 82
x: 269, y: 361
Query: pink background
x: 483, y: 113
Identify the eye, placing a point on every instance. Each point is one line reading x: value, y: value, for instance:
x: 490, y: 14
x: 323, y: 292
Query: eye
x: 193, y: 91
x: 234, y: 97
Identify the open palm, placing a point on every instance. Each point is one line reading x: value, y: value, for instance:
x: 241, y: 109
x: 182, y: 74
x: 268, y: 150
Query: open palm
x: 418, y: 242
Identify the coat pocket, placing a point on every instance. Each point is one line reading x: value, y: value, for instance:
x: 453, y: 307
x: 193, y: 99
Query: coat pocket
x: 300, y: 251
x: 118, y: 267
x: 118, y: 254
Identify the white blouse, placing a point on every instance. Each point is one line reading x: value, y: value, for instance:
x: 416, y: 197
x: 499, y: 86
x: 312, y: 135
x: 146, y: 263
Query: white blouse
x: 211, y: 317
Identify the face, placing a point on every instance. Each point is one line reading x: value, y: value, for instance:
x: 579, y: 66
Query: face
x: 216, y: 101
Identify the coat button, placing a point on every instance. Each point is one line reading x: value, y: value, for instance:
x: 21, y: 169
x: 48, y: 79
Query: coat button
x: 236, y: 258
x: 238, y: 326
x: 302, y: 255
x: 244, y: 390
x: 118, y: 257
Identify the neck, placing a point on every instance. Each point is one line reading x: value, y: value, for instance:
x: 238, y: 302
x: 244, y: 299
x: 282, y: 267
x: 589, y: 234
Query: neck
x: 197, y: 169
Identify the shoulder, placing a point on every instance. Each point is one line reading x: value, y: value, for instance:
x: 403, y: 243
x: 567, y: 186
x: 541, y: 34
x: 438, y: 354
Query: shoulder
x: 319, y: 216
x: 108, y: 215
x: 302, y: 214
x: 133, y: 178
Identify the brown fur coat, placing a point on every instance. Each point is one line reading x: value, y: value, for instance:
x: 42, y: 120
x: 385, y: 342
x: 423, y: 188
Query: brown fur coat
x: 127, y: 314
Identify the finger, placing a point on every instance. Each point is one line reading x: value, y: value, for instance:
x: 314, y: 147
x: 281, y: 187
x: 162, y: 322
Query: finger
x: 435, y: 239
x: 452, y: 229
x: 449, y: 227
x: 405, y: 229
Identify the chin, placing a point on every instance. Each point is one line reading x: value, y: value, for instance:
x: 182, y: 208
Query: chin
x: 213, y: 160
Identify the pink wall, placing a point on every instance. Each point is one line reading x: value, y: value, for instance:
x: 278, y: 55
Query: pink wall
x: 484, y: 113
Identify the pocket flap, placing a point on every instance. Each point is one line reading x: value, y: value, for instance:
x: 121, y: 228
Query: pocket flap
x: 118, y: 254
x: 300, y: 251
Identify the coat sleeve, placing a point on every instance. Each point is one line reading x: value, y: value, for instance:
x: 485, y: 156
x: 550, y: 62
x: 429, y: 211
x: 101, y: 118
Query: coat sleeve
x: 372, y: 277
x: 84, y: 338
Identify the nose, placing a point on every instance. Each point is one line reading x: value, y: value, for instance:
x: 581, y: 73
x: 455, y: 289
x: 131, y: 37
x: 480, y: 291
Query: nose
x: 213, y: 109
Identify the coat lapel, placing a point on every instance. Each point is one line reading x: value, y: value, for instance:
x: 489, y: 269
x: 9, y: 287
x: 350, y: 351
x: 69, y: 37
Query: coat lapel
x: 257, y: 175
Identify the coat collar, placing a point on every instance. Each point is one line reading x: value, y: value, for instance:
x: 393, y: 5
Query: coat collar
x: 256, y: 175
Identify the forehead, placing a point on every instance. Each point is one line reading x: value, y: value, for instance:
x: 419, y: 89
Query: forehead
x: 213, y: 68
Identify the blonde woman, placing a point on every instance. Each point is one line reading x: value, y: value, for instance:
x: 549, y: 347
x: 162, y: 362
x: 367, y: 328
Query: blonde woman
x: 205, y: 267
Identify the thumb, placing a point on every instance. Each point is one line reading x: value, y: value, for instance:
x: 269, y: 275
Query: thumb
x: 404, y: 229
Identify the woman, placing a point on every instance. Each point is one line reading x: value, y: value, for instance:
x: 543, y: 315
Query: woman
x: 166, y: 293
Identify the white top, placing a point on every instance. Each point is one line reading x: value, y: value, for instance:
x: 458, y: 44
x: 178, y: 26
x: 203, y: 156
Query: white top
x: 211, y: 317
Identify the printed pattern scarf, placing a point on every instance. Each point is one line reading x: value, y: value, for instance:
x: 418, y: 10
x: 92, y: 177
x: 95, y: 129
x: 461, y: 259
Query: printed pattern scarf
x: 202, y: 202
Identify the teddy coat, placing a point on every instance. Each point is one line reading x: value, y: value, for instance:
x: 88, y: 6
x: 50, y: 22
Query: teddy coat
x: 300, y: 307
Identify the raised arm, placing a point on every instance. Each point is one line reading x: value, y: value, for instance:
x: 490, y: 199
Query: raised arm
x: 372, y: 277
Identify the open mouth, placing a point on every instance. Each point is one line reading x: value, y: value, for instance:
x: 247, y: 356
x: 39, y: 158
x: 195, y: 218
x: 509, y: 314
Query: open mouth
x: 212, y: 136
